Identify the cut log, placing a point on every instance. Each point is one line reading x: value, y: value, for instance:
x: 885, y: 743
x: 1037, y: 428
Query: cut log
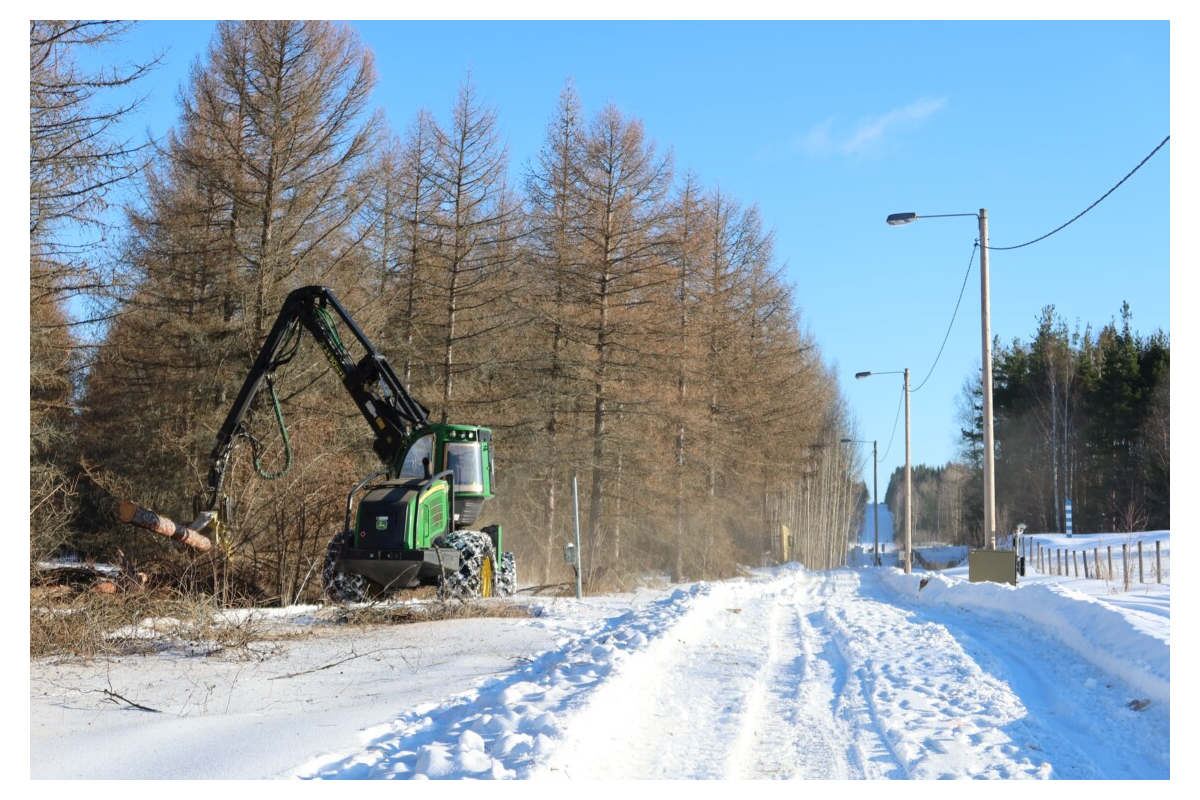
x: 145, y: 518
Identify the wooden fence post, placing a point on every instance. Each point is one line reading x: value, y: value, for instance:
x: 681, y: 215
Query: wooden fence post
x: 1085, y: 566
x: 1141, y: 578
x: 1125, y: 565
x: 1058, y: 558
x: 1075, y: 563
x: 1111, y: 575
x: 1096, y: 558
x: 1158, y: 560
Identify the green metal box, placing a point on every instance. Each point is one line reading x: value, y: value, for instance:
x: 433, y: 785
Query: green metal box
x: 997, y: 566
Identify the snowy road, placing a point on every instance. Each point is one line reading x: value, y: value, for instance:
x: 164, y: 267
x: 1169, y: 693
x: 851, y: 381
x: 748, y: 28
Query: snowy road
x: 749, y: 685
x: 793, y: 674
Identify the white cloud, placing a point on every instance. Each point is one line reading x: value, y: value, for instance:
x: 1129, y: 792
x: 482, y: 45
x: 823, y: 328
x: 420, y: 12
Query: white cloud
x: 818, y: 141
x: 870, y: 134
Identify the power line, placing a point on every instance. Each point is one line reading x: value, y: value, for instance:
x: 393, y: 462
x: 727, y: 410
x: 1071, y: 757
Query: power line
x: 1093, y: 205
x: 894, y: 424
x: 971, y: 262
x: 953, y: 316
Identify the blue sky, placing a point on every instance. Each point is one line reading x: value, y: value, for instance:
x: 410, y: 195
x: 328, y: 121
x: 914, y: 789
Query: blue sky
x: 831, y: 126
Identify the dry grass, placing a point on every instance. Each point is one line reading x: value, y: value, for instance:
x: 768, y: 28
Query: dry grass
x: 92, y: 624
x: 435, y: 611
x: 554, y: 590
x: 78, y: 611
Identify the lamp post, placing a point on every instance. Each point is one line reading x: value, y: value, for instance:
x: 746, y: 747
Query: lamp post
x: 874, y: 491
x: 989, y: 448
x: 907, y: 466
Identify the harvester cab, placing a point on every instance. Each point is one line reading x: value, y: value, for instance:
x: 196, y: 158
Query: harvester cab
x: 415, y: 526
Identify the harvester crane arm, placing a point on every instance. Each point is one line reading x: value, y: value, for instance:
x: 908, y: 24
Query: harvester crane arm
x: 389, y: 409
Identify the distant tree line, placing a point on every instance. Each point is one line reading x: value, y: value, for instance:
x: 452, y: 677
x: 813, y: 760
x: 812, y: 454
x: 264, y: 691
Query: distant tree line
x: 1085, y: 418
x: 1078, y: 415
x: 942, y: 503
x: 609, y: 318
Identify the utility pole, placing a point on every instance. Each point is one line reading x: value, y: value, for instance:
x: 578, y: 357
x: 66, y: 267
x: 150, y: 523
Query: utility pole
x: 907, y: 479
x: 989, y: 442
x: 875, y: 497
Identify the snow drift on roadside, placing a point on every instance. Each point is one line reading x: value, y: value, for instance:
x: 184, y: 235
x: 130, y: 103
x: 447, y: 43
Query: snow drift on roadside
x: 1102, y: 635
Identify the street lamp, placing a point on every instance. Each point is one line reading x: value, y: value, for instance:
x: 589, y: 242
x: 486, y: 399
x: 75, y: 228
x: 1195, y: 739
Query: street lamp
x: 907, y: 467
x: 874, y: 490
x: 989, y: 449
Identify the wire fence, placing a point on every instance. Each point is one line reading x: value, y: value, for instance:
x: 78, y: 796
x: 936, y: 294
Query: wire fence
x: 1130, y: 563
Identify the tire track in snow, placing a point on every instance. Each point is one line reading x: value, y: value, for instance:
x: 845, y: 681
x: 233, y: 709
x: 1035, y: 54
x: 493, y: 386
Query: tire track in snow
x: 875, y: 755
x: 793, y: 725
x: 868, y: 751
x: 940, y: 713
x: 757, y: 749
x: 679, y: 708
x: 761, y: 693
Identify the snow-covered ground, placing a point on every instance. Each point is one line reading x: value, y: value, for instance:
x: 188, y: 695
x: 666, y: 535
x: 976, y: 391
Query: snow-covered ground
x: 846, y: 674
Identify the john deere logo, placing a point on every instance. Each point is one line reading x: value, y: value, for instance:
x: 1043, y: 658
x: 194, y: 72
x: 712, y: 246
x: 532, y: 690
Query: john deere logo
x: 381, y: 523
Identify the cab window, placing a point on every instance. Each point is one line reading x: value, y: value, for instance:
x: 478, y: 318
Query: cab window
x: 466, y: 459
x: 421, y: 449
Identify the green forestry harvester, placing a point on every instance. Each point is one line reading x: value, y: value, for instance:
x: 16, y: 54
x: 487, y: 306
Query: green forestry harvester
x: 415, y: 519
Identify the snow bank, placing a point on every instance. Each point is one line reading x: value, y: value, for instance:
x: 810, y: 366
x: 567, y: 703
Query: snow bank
x: 1138, y: 654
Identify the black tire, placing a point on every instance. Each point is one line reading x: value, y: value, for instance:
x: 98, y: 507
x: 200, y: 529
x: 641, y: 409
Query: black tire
x: 506, y: 582
x: 341, y: 587
x: 477, y: 574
